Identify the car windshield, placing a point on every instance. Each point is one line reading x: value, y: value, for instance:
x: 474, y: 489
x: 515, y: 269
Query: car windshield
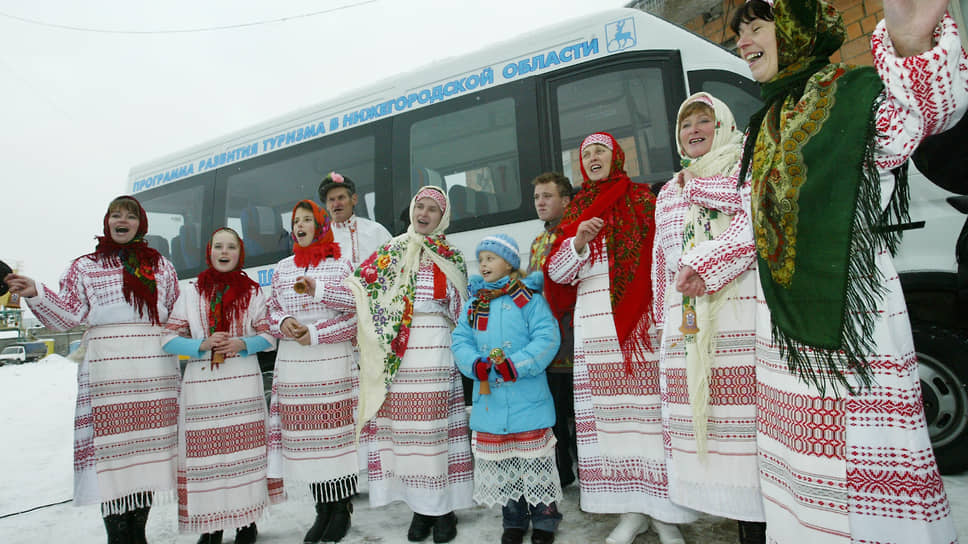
x: 10, y: 349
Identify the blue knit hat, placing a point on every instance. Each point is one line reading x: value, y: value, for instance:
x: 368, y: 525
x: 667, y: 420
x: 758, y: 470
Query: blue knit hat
x: 503, y: 246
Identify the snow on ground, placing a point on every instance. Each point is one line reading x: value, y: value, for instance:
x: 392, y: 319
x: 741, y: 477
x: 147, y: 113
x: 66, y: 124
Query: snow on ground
x: 36, y: 416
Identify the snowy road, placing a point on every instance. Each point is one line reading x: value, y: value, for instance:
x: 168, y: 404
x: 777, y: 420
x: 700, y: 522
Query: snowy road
x: 36, y: 411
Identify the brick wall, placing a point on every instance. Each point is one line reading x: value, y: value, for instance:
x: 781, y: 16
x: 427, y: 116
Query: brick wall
x: 860, y: 17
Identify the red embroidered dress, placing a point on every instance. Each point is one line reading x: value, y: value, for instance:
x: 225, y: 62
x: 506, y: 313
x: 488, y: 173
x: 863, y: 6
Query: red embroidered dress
x: 123, y: 443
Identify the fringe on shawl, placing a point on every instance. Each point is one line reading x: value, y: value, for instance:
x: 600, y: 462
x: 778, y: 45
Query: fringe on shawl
x: 871, y: 230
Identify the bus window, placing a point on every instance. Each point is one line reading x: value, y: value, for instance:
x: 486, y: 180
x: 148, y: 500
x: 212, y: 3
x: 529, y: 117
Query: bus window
x: 260, y: 196
x: 175, y: 226
x: 630, y: 104
x: 472, y: 153
x: 741, y: 94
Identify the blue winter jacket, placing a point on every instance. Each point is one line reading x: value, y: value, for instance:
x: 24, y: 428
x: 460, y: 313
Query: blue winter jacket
x: 529, y: 337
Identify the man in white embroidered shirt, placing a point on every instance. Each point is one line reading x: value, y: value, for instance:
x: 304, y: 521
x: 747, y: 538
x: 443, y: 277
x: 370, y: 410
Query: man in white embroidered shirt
x: 357, y: 237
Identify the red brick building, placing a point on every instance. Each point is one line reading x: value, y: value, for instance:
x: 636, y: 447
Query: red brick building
x: 710, y: 18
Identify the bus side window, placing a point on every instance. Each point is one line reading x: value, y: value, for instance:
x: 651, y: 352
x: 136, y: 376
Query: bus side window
x: 631, y: 104
x: 260, y: 194
x: 741, y: 94
x: 472, y: 153
x: 175, y: 224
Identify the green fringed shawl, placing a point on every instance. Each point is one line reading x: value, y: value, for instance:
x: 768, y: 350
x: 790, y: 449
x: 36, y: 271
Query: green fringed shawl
x: 816, y: 207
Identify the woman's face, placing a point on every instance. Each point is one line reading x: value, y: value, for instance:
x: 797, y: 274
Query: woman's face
x: 696, y: 133
x: 225, y: 251
x: 426, y: 215
x: 304, y: 226
x: 123, y: 225
x: 597, y: 160
x: 757, y: 46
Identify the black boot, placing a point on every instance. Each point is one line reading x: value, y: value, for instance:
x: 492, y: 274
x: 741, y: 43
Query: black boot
x: 116, y: 526
x: 339, y: 520
x: 324, y: 511
x: 512, y: 535
x: 420, y: 527
x: 752, y: 532
x: 210, y: 538
x: 247, y: 534
x: 137, y: 520
x: 542, y: 537
x: 445, y: 528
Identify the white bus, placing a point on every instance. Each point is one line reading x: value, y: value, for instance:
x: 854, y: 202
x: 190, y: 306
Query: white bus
x: 482, y: 126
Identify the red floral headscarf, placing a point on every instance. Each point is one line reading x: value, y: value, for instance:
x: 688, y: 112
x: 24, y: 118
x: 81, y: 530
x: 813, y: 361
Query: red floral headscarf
x: 322, y: 246
x: 138, y: 262
x: 629, y: 212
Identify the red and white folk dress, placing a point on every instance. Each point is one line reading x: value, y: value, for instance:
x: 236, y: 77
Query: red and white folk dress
x: 125, y: 421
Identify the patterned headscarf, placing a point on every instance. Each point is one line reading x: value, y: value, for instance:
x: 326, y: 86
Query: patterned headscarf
x: 628, y: 210
x: 816, y: 198
x: 227, y: 293
x: 322, y: 246
x: 138, y: 262
x: 384, y: 287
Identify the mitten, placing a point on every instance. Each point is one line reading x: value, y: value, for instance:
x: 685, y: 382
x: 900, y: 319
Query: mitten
x: 481, y: 369
x: 507, y: 371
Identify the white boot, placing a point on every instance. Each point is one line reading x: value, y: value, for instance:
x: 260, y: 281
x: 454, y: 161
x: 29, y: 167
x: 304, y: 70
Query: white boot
x: 629, y: 526
x: 668, y: 532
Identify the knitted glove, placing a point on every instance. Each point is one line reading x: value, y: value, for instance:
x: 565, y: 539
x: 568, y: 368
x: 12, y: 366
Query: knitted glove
x: 481, y: 369
x: 507, y: 370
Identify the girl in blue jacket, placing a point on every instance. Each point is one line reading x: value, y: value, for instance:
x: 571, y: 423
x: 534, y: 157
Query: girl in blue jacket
x: 505, y: 339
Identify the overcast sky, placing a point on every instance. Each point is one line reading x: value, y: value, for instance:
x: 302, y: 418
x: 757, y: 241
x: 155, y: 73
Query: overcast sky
x: 126, y: 84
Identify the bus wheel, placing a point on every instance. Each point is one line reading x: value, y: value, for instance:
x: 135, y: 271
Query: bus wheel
x: 944, y: 388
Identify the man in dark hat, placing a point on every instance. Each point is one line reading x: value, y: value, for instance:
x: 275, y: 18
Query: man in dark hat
x: 357, y: 237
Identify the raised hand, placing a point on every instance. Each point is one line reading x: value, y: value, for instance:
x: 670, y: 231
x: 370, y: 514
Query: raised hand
x: 587, y: 231
x: 21, y: 285
x: 911, y: 24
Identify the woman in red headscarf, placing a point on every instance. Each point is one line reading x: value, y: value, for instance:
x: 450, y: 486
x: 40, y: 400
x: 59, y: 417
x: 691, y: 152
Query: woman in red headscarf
x: 220, y: 323
x: 125, y: 442
x: 602, y: 264
x: 312, y: 442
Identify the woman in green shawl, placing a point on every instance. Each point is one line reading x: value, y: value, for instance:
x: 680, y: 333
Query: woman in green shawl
x: 843, y: 447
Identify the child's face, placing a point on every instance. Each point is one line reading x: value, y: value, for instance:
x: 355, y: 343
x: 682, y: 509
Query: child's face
x: 491, y: 266
x: 225, y: 251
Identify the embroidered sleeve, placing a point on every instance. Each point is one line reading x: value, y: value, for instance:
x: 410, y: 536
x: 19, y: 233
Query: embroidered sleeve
x: 177, y: 325
x: 923, y: 94
x: 333, y: 293
x: 453, y: 302
x: 275, y: 312
x: 660, y: 282
x: 341, y: 328
x: 714, y: 193
x: 565, y: 264
x: 170, y: 285
x: 259, y: 320
x: 66, y: 309
x: 722, y: 260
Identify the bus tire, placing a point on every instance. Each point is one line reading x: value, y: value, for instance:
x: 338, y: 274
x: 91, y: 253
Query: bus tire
x: 944, y: 389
